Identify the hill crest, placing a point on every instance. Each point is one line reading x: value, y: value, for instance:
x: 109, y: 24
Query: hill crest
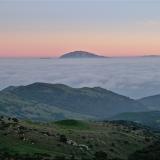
x: 81, y: 54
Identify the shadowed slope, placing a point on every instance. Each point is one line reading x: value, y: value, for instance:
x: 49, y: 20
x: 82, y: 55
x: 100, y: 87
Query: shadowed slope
x: 97, y: 102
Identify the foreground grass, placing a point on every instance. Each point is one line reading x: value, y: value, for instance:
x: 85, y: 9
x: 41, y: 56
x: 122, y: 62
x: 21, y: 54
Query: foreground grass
x: 69, y: 138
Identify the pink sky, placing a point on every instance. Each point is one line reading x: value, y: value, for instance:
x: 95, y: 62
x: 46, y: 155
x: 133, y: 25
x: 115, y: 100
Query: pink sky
x: 35, y: 44
x: 45, y: 28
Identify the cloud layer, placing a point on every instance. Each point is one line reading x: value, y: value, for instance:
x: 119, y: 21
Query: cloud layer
x: 133, y: 77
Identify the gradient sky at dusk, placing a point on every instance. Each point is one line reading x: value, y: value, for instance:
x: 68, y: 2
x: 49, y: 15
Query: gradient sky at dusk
x: 53, y: 27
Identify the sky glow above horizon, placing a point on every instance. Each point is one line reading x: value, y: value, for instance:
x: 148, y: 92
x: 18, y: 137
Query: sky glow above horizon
x: 36, y: 28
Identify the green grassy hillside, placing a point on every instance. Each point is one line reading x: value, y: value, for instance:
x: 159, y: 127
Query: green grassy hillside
x: 151, y: 152
x: 14, y: 106
x: 151, y: 119
x: 71, y: 139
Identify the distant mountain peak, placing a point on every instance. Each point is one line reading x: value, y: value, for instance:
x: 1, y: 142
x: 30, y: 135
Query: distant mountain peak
x: 81, y: 54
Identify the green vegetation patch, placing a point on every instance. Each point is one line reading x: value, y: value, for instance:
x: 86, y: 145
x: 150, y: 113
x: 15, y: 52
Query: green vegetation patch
x: 73, y: 124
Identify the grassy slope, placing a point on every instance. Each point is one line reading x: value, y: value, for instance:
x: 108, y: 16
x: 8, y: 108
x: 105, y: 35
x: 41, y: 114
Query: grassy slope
x: 11, y: 105
x: 115, y: 139
x: 151, y: 119
x: 151, y: 152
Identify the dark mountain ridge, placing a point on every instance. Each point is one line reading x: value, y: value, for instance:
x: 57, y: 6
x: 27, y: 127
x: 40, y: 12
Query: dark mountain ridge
x: 96, y: 102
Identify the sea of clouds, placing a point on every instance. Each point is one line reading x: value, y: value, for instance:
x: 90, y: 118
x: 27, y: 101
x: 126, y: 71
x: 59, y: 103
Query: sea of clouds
x: 132, y: 77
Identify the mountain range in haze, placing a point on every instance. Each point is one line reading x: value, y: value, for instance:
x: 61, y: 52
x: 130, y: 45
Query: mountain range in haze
x: 88, y: 102
x: 45, y: 102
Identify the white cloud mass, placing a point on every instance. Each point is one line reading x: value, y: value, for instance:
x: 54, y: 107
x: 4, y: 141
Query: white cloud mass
x: 132, y: 77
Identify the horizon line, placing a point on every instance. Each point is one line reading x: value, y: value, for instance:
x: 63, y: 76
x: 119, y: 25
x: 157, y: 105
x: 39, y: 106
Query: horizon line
x: 57, y: 57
